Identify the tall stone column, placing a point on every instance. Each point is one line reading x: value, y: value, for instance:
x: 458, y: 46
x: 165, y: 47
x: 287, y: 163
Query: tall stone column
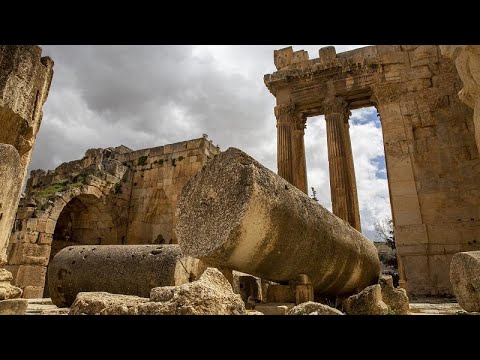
x: 299, y: 160
x: 290, y: 146
x: 355, y: 212
x: 340, y: 159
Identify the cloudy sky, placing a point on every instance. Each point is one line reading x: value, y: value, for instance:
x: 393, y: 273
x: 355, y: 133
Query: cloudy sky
x: 145, y: 96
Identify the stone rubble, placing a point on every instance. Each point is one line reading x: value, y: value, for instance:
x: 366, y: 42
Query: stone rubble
x: 313, y: 308
x: 212, y: 294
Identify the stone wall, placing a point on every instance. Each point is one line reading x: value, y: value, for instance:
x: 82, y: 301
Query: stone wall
x: 111, y: 196
x: 430, y: 151
x: 25, y: 79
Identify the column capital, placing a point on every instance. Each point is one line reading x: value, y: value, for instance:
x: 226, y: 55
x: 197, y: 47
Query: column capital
x: 284, y: 111
x: 287, y: 114
x: 300, y: 122
x: 336, y: 105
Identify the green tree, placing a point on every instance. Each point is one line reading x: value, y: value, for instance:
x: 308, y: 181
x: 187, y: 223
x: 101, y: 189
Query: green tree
x: 384, y: 232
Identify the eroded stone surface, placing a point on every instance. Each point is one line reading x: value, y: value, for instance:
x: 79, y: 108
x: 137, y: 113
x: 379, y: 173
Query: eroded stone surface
x: 103, y: 303
x: 395, y: 298
x: 367, y: 302
x: 238, y: 214
x: 25, y: 79
x: 118, y: 269
x: 465, y: 278
x: 274, y: 308
x: 11, y: 178
x: 313, y: 308
x: 13, y: 306
x: 212, y: 294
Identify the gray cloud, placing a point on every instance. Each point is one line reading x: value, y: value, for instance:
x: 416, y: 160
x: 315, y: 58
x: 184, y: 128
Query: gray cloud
x: 145, y: 96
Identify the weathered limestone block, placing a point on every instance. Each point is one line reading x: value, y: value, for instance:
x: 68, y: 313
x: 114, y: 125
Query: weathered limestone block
x: 118, y: 269
x: 248, y: 287
x: 367, y: 302
x: 212, y: 294
x: 395, y: 298
x: 465, y: 279
x: 103, y: 303
x: 254, y: 312
x: 313, y: 308
x: 238, y: 214
x: 278, y: 293
x: 8, y: 291
x: 13, y: 307
x: 274, y: 308
x: 327, y: 53
x: 11, y: 177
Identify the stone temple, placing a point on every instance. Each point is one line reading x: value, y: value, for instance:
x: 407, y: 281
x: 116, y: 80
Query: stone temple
x: 185, y: 228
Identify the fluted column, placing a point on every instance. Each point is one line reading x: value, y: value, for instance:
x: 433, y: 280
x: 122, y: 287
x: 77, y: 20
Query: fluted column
x: 340, y: 159
x: 354, y: 213
x: 285, y: 127
x: 290, y: 146
x: 299, y: 160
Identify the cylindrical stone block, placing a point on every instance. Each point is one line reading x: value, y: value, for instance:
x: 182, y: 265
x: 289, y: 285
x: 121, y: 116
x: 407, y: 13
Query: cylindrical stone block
x: 238, y: 214
x: 118, y: 269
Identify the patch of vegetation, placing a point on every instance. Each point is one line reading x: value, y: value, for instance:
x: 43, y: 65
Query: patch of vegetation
x: 180, y: 158
x: 174, y: 162
x: 142, y: 160
x: 47, y: 193
x: 51, y: 190
x: 117, y: 189
x: 314, y: 194
x: 391, y: 311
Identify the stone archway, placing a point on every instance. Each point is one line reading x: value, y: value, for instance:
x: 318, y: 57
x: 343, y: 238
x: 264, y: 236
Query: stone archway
x: 84, y: 220
x: 39, y: 236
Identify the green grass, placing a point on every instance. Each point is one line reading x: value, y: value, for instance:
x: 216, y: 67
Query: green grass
x: 49, y: 192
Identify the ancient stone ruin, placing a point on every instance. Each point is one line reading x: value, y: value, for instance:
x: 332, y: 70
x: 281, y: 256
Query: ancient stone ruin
x: 429, y: 139
x: 113, y: 196
x: 187, y: 229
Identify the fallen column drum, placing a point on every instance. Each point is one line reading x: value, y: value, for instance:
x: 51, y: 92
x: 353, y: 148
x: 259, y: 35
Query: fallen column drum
x: 238, y: 214
x: 118, y: 269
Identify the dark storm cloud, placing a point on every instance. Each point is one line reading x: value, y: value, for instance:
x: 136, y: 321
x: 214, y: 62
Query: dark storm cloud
x: 153, y: 94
